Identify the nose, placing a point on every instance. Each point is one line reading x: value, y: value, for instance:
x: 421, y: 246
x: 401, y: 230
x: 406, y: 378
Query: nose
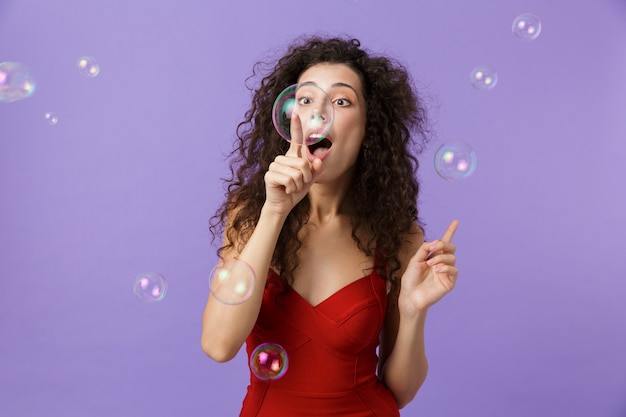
x: 317, y: 115
x: 318, y: 119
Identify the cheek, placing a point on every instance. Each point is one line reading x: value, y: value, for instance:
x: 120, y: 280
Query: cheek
x: 353, y: 127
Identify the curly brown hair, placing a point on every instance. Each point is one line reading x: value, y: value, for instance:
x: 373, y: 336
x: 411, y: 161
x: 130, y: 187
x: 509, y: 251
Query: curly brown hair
x: 385, y: 188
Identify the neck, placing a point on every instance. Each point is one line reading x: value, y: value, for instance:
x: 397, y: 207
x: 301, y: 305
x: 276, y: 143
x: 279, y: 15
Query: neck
x: 328, y: 201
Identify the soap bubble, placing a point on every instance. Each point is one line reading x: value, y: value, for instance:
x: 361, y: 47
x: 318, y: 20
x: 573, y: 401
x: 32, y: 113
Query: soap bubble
x: 232, y: 282
x: 150, y: 287
x: 455, y: 161
x: 269, y: 361
x: 526, y: 27
x: 313, y: 107
x: 51, y: 118
x: 16, y: 82
x: 88, y: 66
x: 483, y: 77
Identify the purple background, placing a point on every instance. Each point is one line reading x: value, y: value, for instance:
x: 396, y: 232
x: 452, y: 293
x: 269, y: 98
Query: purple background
x: 127, y: 179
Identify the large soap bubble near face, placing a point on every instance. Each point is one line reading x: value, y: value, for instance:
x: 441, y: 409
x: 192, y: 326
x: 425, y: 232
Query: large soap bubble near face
x: 16, y: 82
x: 232, y: 282
x: 269, y: 361
x: 455, y: 161
x: 311, y: 104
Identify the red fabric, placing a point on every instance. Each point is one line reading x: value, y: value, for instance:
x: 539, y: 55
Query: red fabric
x: 331, y: 349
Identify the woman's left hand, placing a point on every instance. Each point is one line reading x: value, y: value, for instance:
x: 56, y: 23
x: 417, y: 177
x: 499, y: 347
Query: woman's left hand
x: 430, y: 274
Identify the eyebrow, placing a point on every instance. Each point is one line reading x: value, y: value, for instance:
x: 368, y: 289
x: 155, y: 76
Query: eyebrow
x: 335, y: 85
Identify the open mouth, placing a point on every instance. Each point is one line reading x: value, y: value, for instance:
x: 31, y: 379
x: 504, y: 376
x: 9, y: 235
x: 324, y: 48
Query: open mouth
x: 321, y: 147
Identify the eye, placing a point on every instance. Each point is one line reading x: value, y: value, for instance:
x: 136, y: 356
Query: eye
x: 342, y: 102
x: 304, y: 100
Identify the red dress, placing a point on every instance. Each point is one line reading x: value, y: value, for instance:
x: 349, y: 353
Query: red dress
x: 331, y: 348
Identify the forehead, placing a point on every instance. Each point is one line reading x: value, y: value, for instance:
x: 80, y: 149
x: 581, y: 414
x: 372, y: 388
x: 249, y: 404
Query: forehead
x: 326, y: 75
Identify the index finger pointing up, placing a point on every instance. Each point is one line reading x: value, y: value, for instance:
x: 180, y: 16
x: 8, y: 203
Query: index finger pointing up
x: 297, y: 137
x: 447, y: 236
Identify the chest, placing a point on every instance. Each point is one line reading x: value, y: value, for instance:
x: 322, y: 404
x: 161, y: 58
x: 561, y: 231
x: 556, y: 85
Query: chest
x: 329, y: 260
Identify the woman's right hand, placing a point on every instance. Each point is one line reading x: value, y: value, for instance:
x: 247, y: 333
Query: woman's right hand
x: 291, y: 175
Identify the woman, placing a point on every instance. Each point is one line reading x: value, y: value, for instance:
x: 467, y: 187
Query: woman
x: 333, y: 236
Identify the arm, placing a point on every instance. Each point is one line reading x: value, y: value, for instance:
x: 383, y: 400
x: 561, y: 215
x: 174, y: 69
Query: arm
x: 406, y: 367
x: 226, y: 327
x: 428, y: 275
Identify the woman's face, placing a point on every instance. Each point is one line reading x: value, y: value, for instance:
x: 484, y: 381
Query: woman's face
x: 340, y: 149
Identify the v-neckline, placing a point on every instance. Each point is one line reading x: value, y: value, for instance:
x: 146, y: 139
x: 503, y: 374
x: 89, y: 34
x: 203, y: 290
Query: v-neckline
x: 331, y: 296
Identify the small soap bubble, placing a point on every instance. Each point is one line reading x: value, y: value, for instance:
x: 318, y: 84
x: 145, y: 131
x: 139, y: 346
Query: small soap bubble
x: 526, y: 27
x: 16, y: 82
x: 51, y: 118
x: 88, y: 66
x: 269, y: 361
x: 483, y: 77
x: 150, y: 287
x: 232, y: 281
x: 311, y: 104
x: 455, y: 161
